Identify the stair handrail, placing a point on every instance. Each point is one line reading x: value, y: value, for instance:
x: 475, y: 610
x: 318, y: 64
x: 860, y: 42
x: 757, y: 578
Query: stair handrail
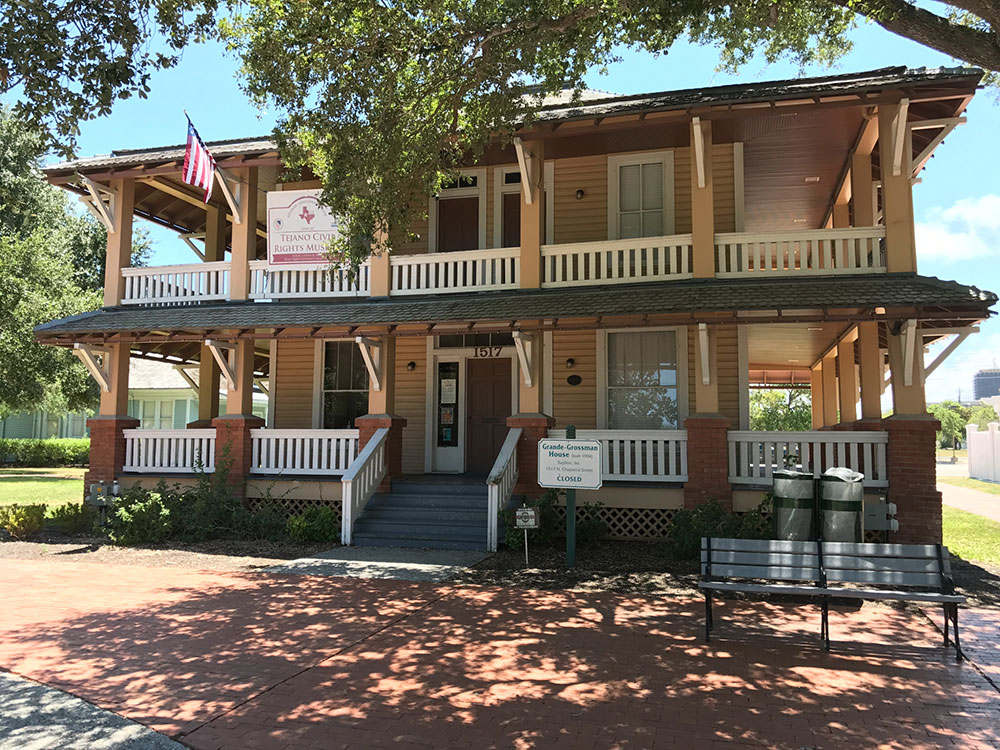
x: 500, y: 484
x: 360, y: 482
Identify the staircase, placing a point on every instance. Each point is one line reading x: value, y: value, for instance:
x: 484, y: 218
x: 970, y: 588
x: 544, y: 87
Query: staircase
x: 427, y: 511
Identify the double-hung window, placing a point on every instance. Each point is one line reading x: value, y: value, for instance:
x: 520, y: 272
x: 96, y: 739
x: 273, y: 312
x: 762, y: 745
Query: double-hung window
x: 345, y: 385
x: 643, y: 381
x: 641, y: 195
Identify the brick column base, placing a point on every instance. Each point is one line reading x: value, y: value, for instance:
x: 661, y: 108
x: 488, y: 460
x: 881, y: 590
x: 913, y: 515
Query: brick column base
x: 199, y: 424
x: 233, y: 447
x: 708, y: 461
x: 535, y: 427
x: 367, y: 426
x: 107, y: 449
x: 913, y: 478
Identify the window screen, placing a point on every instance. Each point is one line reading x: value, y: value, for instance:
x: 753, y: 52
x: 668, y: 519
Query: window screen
x: 642, y: 380
x: 640, y: 200
x: 345, y: 385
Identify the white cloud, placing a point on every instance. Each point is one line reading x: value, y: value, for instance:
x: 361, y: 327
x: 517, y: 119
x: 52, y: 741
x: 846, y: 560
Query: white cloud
x: 969, y: 228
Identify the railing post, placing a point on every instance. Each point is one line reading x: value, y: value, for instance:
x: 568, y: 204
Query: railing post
x: 533, y: 215
x: 244, y: 240
x: 367, y: 426
x: 702, y: 199
x: 119, y: 247
x: 534, y: 427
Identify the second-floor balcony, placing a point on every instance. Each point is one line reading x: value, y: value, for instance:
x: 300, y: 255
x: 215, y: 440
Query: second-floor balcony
x: 851, y: 250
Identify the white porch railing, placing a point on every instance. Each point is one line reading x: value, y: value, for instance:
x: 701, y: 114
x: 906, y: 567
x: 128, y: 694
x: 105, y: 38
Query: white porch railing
x: 169, y: 451
x: 360, y: 482
x: 320, y: 280
x: 500, y: 484
x: 463, y: 271
x: 639, y: 455
x: 755, y: 456
x: 617, y: 261
x: 811, y: 251
x: 195, y: 282
x: 317, y: 452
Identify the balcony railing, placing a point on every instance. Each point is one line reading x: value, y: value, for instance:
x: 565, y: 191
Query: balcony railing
x: 755, y: 456
x: 306, y: 281
x: 192, y: 283
x: 169, y: 451
x: 639, y: 455
x: 464, y: 271
x: 617, y: 262
x: 316, y: 452
x: 815, y: 251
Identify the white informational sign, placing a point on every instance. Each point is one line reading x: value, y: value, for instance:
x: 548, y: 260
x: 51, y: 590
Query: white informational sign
x: 449, y: 391
x: 299, y: 229
x: 570, y: 464
x: 526, y: 518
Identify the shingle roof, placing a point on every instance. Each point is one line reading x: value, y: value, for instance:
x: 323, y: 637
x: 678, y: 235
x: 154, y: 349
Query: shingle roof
x: 708, y: 296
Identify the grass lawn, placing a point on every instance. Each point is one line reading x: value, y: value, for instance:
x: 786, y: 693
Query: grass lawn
x: 946, y: 453
x: 972, y: 484
x: 27, y: 486
x: 971, y: 537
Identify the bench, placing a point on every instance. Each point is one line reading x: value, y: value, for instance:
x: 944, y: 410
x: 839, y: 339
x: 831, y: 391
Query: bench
x: 909, y: 572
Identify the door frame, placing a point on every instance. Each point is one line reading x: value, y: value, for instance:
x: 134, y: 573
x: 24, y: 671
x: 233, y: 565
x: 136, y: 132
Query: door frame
x: 479, y: 191
x: 460, y: 355
x: 500, y: 188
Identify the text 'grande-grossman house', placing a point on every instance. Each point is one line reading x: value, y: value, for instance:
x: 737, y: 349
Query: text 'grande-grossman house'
x: 632, y: 266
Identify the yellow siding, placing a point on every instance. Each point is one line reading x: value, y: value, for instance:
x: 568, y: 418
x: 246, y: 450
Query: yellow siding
x: 411, y: 401
x: 726, y: 372
x: 584, y: 220
x: 574, y: 404
x: 293, y: 393
x: 418, y: 244
x: 723, y: 187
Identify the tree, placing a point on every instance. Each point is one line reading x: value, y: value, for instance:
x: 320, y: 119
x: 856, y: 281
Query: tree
x: 953, y: 418
x: 780, y: 410
x: 981, y: 416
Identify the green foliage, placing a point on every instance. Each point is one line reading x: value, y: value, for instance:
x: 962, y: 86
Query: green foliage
x: 780, y: 410
x: 316, y: 524
x: 981, y: 416
x: 954, y: 417
x: 22, y: 521
x: 73, y: 518
x: 551, y: 529
x: 139, y: 516
x: 47, y: 452
x: 689, y: 525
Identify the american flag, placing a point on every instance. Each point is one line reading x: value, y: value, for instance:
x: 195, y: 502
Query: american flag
x: 199, y: 166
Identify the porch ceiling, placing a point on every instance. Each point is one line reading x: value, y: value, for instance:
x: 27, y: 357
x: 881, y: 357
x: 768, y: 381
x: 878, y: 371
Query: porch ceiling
x: 829, y: 299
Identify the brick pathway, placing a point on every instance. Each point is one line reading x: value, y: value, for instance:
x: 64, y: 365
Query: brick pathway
x: 267, y: 661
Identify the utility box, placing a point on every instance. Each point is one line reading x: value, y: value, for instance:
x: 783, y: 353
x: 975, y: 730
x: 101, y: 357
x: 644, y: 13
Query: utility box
x: 842, y: 505
x: 793, y: 496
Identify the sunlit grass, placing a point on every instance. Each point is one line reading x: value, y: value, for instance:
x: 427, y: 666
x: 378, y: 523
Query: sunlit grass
x: 971, y: 537
x: 972, y: 484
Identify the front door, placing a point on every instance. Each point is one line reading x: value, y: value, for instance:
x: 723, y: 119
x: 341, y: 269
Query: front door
x: 488, y: 406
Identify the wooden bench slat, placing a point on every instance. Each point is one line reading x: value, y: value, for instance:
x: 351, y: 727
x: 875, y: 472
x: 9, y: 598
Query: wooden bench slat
x: 813, y: 591
x: 872, y: 549
x: 771, y: 572
x: 884, y: 577
x: 761, y: 545
x: 898, y: 564
x: 761, y: 558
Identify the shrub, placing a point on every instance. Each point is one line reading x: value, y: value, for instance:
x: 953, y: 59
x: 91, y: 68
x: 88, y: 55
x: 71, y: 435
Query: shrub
x: 74, y: 518
x: 711, y: 519
x: 138, y: 516
x: 22, y: 521
x: 266, y: 522
x: 551, y: 528
x: 41, y: 453
x: 316, y: 524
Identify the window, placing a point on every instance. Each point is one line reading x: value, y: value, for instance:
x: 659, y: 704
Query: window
x: 345, y: 385
x: 640, y: 195
x: 156, y: 415
x: 642, y: 381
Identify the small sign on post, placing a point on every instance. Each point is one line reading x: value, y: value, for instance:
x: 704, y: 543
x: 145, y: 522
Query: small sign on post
x: 526, y: 518
x: 571, y: 465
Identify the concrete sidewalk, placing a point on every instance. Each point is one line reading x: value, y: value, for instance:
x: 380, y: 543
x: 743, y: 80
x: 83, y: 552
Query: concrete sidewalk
x: 973, y: 501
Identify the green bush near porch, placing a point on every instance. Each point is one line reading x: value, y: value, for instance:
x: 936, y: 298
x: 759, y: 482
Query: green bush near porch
x: 711, y: 519
x: 44, y: 453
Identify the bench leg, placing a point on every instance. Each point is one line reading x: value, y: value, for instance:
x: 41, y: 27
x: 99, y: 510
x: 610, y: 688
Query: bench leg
x: 825, y: 623
x: 947, y: 617
x: 708, y: 616
x: 959, y: 656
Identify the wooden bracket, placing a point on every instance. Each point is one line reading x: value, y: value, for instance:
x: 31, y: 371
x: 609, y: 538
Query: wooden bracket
x: 371, y: 352
x: 101, y: 202
x: 698, y: 136
x: 101, y: 371
x: 706, y: 373
x: 909, y: 334
x: 946, y: 125
x: 525, y: 161
x: 232, y: 189
x: 899, y: 136
x: 182, y: 370
x: 187, y: 237
x: 264, y: 385
x: 224, y: 353
x: 524, y: 344
x: 952, y: 346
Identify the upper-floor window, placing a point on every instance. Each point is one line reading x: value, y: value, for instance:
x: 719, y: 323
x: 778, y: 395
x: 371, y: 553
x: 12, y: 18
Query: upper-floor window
x: 345, y: 385
x: 641, y: 195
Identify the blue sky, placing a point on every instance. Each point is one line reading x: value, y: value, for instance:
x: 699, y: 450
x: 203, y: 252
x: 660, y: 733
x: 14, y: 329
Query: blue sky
x: 957, y: 205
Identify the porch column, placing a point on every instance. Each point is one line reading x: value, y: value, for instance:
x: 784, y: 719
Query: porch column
x: 830, y: 389
x: 861, y: 189
x: 244, y: 244
x: 816, y: 395
x: 381, y: 408
x: 232, y: 430
x: 848, y: 382
x: 870, y: 361
x: 118, y: 254
x: 707, y: 430
x: 531, y: 417
x: 897, y: 195
x: 107, y: 441
x: 702, y: 200
x: 208, y: 369
x: 532, y: 215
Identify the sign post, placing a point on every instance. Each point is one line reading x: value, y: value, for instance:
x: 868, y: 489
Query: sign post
x: 526, y: 518
x: 571, y: 465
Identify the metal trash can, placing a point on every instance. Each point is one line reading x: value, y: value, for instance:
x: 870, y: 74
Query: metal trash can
x: 794, y: 505
x: 842, y: 511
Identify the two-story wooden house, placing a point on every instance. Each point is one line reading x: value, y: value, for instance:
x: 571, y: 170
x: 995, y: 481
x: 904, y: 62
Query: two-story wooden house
x: 632, y: 266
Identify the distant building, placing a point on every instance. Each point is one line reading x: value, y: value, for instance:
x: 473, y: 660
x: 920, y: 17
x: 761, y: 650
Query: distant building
x: 986, y: 383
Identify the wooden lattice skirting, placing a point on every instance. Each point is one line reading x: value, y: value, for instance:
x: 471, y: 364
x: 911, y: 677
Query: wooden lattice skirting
x: 293, y: 506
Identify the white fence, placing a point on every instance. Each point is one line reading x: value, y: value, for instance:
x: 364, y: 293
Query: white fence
x: 463, y: 271
x: 639, y: 455
x: 500, y: 484
x: 195, y: 282
x: 317, y: 452
x: 617, y: 262
x: 169, y: 451
x: 814, y: 251
x: 984, y: 452
x: 322, y: 280
x: 755, y: 456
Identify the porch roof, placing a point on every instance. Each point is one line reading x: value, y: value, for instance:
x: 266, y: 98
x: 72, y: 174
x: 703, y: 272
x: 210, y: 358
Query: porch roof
x: 709, y: 300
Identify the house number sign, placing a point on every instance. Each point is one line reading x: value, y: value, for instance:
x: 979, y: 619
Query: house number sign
x: 487, y: 351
